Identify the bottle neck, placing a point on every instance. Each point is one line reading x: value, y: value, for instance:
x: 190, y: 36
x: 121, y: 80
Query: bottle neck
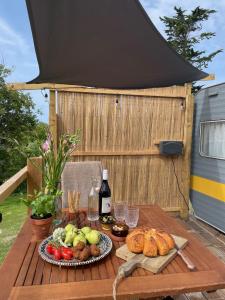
x: 105, y: 175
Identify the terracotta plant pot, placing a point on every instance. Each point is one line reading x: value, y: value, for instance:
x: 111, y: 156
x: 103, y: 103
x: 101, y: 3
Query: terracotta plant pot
x: 40, y: 228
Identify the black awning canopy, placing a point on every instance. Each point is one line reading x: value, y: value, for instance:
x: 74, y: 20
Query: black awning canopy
x: 103, y: 43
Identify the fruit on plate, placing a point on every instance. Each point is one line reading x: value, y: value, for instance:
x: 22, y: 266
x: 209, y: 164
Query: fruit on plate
x: 80, y: 246
x: 50, y: 249
x: 70, y: 235
x: 76, y: 253
x: 150, y: 242
x: 93, y: 237
x: 70, y: 227
x: 70, y: 242
x: 85, y: 253
x: 95, y: 251
x: 79, y: 238
x: 67, y: 253
x: 85, y: 230
x: 57, y: 254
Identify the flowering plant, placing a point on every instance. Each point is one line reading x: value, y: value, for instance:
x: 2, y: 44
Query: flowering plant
x: 53, y: 162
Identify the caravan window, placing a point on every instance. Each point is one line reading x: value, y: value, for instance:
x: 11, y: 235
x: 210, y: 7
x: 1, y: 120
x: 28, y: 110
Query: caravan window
x: 212, y: 139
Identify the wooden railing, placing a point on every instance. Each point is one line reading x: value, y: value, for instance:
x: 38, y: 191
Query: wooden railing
x: 8, y: 187
x: 29, y: 173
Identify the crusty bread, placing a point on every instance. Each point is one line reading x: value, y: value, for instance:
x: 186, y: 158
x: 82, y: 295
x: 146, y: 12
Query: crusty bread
x: 150, y: 246
x: 150, y: 242
x: 168, y: 238
x: 135, y: 241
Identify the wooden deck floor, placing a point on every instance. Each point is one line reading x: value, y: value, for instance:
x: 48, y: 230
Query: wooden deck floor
x: 215, y: 242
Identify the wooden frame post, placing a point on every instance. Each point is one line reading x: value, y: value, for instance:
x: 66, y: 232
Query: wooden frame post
x: 53, y: 118
x: 188, y: 127
x: 34, y: 176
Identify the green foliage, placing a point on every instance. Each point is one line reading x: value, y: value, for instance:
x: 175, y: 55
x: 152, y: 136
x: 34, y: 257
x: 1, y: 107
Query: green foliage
x: 18, y: 120
x: 185, y: 33
x: 53, y: 164
x: 14, y: 214
x: 43, y: 204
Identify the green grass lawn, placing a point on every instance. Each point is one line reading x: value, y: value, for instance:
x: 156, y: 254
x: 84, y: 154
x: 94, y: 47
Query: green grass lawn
x: 14, y: 213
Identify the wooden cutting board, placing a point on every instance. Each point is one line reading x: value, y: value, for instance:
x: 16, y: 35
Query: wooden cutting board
x: 152, y: 264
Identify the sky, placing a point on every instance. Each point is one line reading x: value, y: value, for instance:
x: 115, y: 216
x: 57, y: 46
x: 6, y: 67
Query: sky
x: 17, y: 49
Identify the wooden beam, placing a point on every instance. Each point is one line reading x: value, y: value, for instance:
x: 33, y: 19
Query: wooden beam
x: 116, y: 153
x: 171, y: 209
x: 166, y: 92
x: 157, y: 142
x: 34, y: 175
x: 8, y: 187
x: 209, y: 77
x: 53, y: 118
x: 188, y: 126
x: 38, y: 86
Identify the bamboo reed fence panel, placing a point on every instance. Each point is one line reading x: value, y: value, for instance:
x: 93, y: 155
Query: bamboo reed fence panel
x: 118, y: 123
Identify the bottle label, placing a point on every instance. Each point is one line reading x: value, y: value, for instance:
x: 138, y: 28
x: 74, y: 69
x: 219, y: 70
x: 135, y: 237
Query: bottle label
x: 106, y: 205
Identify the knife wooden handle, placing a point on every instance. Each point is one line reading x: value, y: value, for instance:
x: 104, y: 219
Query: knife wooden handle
x: 187, y: 260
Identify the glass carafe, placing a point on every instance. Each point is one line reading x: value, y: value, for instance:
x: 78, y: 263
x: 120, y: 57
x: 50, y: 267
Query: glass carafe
x: 93, y: 202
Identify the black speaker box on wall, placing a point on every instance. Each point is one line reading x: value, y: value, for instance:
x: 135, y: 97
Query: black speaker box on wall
x: 171, y: 148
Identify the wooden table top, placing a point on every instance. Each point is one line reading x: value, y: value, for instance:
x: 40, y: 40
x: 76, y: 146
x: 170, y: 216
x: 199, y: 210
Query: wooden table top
x: 24, y: 275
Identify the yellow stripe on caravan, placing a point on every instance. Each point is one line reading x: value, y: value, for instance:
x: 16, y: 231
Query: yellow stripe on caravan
x: 208, y: 187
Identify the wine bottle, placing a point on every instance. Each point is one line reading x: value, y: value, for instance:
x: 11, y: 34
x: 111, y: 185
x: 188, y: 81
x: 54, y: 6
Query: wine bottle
x: 104, y: 196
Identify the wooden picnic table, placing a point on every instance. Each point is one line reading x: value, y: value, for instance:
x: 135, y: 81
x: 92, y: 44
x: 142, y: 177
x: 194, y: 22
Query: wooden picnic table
x: 24, y: 275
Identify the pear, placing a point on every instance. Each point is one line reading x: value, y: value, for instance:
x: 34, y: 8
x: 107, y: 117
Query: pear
x: 93, y: 237
x: 69, y: 227
x: 79, y: 238
x: 70, y: 235
x: 85, y: 230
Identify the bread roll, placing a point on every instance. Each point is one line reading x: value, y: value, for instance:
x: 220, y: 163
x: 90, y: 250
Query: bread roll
x: 150, y: 242
x: 168, y: 238
x: 150, y: 246
x: 135, y: 241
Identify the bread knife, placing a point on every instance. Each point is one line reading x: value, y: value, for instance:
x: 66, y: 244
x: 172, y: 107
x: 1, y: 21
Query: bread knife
x: 185, y: 258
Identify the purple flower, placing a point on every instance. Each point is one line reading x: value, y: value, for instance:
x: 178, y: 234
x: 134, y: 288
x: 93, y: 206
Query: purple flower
x: 45, y: 147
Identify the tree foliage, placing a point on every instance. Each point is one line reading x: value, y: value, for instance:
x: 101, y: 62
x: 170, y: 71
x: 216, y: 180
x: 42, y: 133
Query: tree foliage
x: 185, y: 34
x: 18, y: 121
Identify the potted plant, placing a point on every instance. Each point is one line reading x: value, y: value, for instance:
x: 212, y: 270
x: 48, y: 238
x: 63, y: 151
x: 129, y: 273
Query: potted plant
x: 42, y: 211
x: 43, y: 203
